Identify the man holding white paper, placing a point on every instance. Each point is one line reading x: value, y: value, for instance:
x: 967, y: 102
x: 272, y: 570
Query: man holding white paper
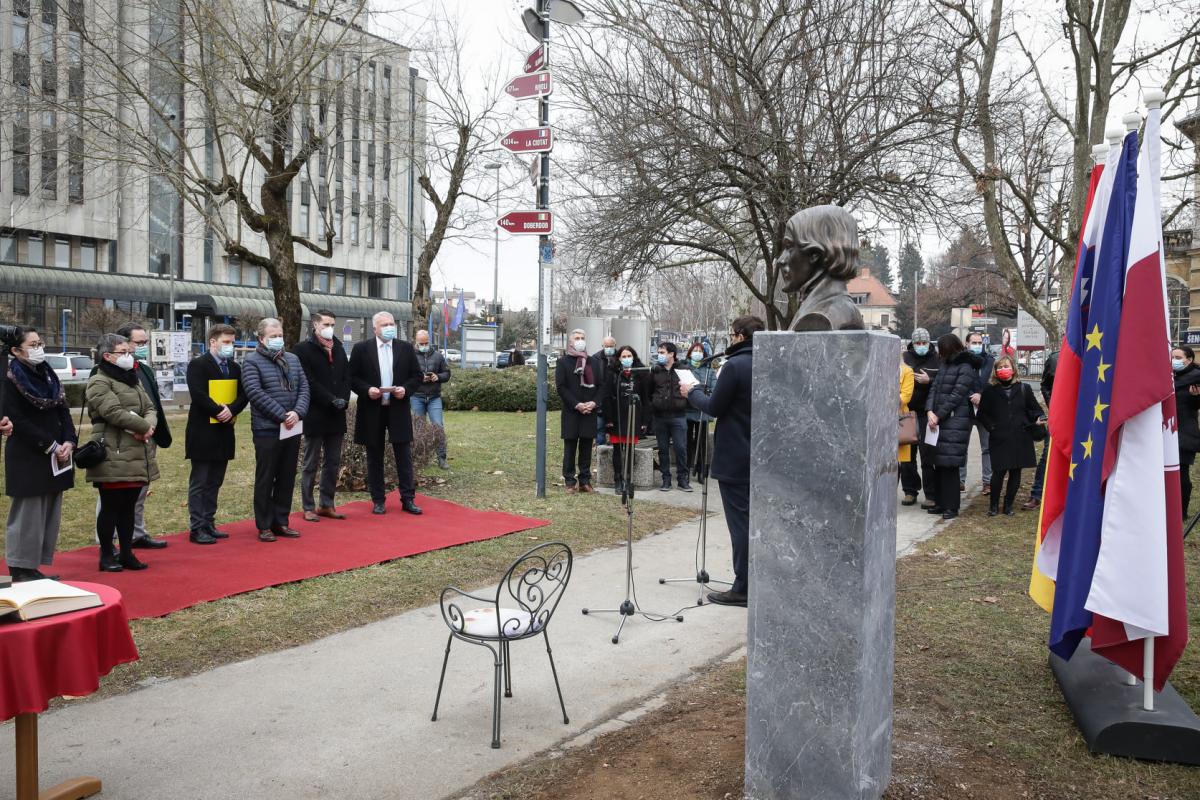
x: 278, y: 391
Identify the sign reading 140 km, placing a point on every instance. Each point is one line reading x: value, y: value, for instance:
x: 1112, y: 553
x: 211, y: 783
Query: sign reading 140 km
x: 530, y: 140
x: 535, y: 84
x: 535, y: 222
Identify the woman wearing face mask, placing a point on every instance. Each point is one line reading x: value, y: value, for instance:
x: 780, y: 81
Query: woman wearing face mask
x: 628, y: 378
x: 41, y: 431
x: 1187, y: 402
x: 1007, y: 410
x: 696, y: 451
x: 124, y: 418
x: 948, y: 411
x: 578, y: 378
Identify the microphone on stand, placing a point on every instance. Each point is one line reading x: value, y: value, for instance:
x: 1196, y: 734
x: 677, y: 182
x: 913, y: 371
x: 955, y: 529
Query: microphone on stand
x: 712, y: 358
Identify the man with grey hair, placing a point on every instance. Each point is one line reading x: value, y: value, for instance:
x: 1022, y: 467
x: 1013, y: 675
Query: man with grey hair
x: 577, y: 377
x: 277, y: 389
x: 922, y: 357
x: 607, y: 356
x: 384, y: 373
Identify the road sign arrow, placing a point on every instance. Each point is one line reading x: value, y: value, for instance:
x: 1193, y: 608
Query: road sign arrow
x: 535, y: 60
x: 535, y: 84
x: 527, y: 222
x: 530, y: 140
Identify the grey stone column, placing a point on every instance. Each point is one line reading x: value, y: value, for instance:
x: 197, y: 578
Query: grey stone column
x: 822, y: 565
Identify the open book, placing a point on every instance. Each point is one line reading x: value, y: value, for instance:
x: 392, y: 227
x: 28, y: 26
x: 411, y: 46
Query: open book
x: 44, y: 598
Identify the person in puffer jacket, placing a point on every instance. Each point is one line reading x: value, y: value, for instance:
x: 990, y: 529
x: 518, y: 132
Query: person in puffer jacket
x: 949, y: 413
x: 278, y: 392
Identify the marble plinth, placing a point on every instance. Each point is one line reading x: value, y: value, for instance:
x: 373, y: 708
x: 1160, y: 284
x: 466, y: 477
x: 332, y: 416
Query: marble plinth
x: 644, y: 476
x: 822, y: 565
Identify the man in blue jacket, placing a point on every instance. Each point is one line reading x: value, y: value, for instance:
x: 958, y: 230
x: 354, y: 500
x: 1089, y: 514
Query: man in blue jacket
x: 729, y: 403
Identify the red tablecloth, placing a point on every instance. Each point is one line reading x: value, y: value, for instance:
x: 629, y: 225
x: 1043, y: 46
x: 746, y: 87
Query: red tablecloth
x: 63, y: 654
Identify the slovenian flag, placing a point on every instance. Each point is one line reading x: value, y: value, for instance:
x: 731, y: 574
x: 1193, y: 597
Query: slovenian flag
x: 1137, y: 588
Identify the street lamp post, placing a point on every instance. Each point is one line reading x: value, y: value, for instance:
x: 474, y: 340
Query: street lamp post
x: 65, y: 311
x: 495, y: 165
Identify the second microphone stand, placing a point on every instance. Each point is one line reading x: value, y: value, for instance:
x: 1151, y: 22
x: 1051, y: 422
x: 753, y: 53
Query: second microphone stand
x: 630, y: 605
x: 703, y: 461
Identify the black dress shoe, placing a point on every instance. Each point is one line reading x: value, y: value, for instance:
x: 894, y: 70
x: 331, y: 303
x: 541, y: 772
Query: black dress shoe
x: 131, y: 563
x: 730, y: 598
x: 993, y: 511
x: 949, y: 514
x: 201, y: 537
x: 411, y: 507
x: 149, y: 543
x: 21, y: 574
x: 285, y: 532
x: 110, y: 564
x: 216, y: 534
x: 379, y: 508
x: 935, y: 510
x: 266, y: 536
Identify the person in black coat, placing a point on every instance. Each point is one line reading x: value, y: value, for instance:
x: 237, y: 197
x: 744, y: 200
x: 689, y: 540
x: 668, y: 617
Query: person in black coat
x: 949, y: 413
x: 1039, y: 477
x: 328, y: 373
x: 982, y: 360
x: 1187, y: 403
x: 924, y: 361
x: 730, y: 405
x: 607, y: 355
x: 1008, y: 410
x: 628, y: 380
x: 577, y: 378
x: 43, y: 439
x: 670, y: 418
x: 210, y: 440
x: 384, y: 373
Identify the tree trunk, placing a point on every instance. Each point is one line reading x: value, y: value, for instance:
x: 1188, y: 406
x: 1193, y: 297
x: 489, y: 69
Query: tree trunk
x: 281, y: 265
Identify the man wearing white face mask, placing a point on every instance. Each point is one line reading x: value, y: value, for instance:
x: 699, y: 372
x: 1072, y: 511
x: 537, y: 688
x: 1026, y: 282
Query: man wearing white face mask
x: 427, y: 399
x: 279, y: 397
x: 211, y: 442
x: 328, y: 373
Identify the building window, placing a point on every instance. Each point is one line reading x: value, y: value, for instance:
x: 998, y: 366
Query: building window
x: 304, y: 203
x: 387, y: 93
x: 8, y: 248
x: 355, y: 284
x: 35, y: 250
x: 209, y: 250
x: 354, y: 218
x: 87, y: 255
x: 375, y: 285
x: 339, y: 282
x: 370, y: 221
x: 49, y: 159
x: 384, y: 227
x: 250, y: 274
x: 75, y: 16
x: 62, y: 253
x: 306, y: 279
x: 1178, y: 305
x: 883, y: 321
x: 75, y: 169
x: 20, y: 168
x: 233, y: 272
x: 337, y: 216
x: 323, y: 281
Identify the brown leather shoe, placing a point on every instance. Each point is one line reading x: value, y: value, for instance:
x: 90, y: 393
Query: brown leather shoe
x: 572, y: 490
x: 311, y: 516
x: 586, y: 488
x: 328, y: 511
x: 1031, y: 503
x: 286, y: 532
x: 987, y: 488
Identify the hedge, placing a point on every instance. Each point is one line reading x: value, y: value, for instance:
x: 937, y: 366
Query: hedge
x: 512, y: 389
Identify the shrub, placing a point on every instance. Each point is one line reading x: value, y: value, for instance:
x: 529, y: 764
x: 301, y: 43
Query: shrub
x: 75, y: 392
x: 352, y: 477
x: 512, y: 389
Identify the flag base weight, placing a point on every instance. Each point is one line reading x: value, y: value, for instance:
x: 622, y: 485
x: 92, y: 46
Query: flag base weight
x: 1109, y: 712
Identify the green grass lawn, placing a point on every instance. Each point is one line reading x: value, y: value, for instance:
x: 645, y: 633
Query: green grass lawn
x: 492, y: 458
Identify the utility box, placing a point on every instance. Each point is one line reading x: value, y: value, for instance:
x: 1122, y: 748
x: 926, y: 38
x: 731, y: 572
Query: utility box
x: 479, y: 345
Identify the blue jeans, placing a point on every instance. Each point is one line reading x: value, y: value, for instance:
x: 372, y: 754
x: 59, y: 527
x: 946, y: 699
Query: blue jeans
x: 601, y: 437
x: 432, y: 408
x: 672, y: 432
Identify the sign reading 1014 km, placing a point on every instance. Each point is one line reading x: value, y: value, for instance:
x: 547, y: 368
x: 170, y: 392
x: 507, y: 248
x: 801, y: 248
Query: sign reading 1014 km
x: 535, y: 222
x: 532, y: 140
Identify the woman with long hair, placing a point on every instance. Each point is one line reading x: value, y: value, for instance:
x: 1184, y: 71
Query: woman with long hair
x: 949, y: 415
x: 628, y: 381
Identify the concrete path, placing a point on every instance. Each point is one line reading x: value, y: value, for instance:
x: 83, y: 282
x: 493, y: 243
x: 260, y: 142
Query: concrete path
x: 349, y: 715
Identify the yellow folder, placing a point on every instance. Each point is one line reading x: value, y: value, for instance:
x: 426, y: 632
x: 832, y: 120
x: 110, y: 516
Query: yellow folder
x: 222, y: 392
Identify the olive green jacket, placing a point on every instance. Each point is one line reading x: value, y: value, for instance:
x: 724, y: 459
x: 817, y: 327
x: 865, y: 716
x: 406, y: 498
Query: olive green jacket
x: 118, y: 412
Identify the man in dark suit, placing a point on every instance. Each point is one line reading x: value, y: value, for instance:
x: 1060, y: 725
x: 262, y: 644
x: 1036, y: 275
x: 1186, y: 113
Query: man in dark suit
x: 384, y: 373
x: 324, y: 363
x: 210, y: 446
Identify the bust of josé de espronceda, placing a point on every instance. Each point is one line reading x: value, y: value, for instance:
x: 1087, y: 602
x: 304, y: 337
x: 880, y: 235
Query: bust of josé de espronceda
x: 820, y: 254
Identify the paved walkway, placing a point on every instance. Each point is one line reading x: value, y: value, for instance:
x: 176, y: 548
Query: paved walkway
x: 349, y: 715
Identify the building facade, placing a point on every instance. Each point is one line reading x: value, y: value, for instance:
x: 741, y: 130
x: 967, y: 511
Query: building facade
x: 85, y: 237
x: 875, y: 302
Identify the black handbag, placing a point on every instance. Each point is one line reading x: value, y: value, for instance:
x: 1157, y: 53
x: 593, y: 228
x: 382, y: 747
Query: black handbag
x: 94, y: 452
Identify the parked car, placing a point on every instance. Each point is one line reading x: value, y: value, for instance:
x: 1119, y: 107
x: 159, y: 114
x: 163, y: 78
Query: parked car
x: 83, y: 364
x: 502, y: 359
x: 61, y: 364
x: 452, y: 355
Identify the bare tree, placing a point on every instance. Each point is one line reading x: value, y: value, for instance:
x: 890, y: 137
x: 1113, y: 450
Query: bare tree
x: 705, y: 124
x: 1025, y: 141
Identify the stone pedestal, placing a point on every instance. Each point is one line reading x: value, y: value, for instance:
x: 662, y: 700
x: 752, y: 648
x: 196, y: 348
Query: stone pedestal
x: 822, y: 565
x: 644, y: 476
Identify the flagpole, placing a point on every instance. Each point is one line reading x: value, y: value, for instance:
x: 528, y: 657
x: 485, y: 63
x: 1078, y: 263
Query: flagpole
x: 1148, y: 673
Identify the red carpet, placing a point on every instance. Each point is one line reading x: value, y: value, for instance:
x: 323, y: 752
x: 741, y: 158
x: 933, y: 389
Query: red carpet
x: 186, y: 574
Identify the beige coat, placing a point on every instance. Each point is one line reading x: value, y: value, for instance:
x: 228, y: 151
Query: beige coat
x: 119, y: 411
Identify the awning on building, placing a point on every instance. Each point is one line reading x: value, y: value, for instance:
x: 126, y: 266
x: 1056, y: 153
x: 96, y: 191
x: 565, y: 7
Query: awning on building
x: 211, y: 299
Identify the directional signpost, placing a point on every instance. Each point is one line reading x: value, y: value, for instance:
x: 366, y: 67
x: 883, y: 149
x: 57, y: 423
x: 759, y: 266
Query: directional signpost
x: 535, y: 60
x: 530, y: 140
x: 536, y: 222
x: 535, y: 84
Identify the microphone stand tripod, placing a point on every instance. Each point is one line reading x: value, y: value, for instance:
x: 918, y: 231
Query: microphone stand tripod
x: 630, y: 605
x: 703, y: 459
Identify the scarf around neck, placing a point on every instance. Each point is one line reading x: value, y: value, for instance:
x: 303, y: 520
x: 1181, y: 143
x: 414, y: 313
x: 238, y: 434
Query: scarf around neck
x: 583, y: 367
x: 276, y: 358
x: 39, y: 385
x: 126, y: 376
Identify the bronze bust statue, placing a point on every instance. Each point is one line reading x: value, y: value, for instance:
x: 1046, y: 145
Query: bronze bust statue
x: 820, y: 253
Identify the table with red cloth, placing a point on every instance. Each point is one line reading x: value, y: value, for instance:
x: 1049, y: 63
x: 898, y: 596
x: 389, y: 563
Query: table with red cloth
x: 65, y: 654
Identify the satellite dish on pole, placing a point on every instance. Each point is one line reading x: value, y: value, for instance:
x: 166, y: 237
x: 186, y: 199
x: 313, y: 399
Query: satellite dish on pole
x: 563, y: 11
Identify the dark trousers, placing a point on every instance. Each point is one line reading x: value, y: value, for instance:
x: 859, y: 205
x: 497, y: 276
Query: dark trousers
x: 274, y: 480
x: 204, y: 484
x: 329, y: 445
x: 913, y: 480
x: 1186, y: 459
x: 671, y: 432
x: 116, y: 513
x: 620, y: 452
x: 946, y: 480
x: 1039, y: 475
x: 402, y: 452
x: 1013, y: 485
x: 735, y: 497
x: 577, y: 454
